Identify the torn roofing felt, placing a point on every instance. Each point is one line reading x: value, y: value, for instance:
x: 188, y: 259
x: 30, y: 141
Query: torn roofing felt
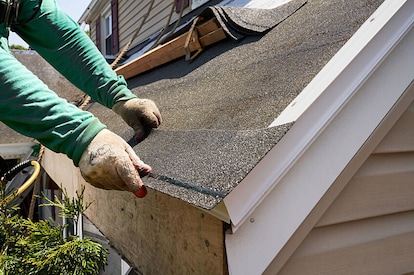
x: 216, y: 108
x: 223, y: 159
x: 239, y: 22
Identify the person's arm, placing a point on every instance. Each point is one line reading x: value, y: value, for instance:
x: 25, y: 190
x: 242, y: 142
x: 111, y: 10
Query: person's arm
x: 61, y: 42
x: 59, y: 39
x: 29, y: 107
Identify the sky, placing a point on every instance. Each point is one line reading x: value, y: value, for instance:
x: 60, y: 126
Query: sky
x: 74, y: 8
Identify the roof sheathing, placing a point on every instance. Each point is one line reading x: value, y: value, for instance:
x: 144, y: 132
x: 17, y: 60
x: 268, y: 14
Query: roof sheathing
x: 236, y: 86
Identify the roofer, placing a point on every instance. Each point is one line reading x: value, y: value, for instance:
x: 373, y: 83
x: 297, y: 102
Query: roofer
x: 28, y: 106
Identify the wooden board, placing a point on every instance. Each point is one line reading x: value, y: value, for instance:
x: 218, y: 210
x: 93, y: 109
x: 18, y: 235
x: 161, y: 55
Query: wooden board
x: 209, y: 33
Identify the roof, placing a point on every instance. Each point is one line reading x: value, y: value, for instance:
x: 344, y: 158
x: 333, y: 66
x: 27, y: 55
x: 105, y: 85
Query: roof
x: 217, y: 108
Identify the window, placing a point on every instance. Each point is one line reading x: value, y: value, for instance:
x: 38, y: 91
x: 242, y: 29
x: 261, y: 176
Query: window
x: 107, y: 32
x: 107, y: 29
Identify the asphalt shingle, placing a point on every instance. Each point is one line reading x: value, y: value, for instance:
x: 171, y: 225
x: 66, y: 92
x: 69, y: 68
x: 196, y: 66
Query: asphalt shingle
x: 216, y: 109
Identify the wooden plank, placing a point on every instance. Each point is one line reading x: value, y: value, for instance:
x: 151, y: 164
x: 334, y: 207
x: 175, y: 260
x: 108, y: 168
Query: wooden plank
x: 170, y: 51
x: 207, y: 27
x: 167, y: 52
x: 159, y: 234
x: 55, y: 166
x: 383, y: 245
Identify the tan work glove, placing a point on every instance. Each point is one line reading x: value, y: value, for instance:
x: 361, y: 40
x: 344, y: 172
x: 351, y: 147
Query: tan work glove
x: 110, y: 163
x: 141, y: 114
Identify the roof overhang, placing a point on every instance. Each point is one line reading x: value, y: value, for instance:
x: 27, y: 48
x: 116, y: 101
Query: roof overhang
x: 339, y: 119
x: 92, y: 11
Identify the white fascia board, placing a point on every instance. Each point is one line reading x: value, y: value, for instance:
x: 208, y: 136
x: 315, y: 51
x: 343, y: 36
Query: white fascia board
x: 16, y: 150
x: 343, y: 106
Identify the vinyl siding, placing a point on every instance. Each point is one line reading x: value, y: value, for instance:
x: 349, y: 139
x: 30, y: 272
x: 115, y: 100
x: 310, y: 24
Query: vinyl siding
x: 131, y: 15
x: 369, y: 229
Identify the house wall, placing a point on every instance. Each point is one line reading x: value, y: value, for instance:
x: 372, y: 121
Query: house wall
x: 157, y: 234
x: 369, y: 229
x: 131, y: 15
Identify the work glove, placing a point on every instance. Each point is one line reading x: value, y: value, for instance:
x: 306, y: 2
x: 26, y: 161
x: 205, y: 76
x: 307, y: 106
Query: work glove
x: 141, y: 114
x: 110, y: 163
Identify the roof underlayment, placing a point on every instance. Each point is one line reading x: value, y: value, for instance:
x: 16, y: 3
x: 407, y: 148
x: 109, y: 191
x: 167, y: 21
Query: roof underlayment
x: 239, y: 22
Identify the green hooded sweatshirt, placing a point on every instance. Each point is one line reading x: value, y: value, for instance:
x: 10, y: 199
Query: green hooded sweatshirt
x: 28, y: 106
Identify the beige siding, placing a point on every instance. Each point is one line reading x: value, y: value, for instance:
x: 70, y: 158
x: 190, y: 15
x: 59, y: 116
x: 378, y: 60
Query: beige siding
x: 131, y: 15
x: 92, y: 34
x: 382, y: 245
x: 369, y: 229
x: 401, y: 138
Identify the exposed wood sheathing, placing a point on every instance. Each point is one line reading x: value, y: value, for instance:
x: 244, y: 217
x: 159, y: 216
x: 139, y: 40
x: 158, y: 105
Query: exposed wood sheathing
x: 157, y: 234
x: 160, y: 234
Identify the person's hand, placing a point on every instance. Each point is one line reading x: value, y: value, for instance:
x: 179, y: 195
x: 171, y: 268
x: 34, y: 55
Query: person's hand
x: 110, y: 163
x: 141, y: 114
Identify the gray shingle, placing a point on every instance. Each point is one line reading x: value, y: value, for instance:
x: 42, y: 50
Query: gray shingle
x: 216, y: 109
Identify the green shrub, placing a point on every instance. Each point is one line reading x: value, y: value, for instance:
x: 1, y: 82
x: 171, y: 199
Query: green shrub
x: 28, y: 247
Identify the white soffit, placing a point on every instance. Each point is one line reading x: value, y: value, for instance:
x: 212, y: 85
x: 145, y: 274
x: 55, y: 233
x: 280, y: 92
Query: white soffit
x: 334, y: 117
